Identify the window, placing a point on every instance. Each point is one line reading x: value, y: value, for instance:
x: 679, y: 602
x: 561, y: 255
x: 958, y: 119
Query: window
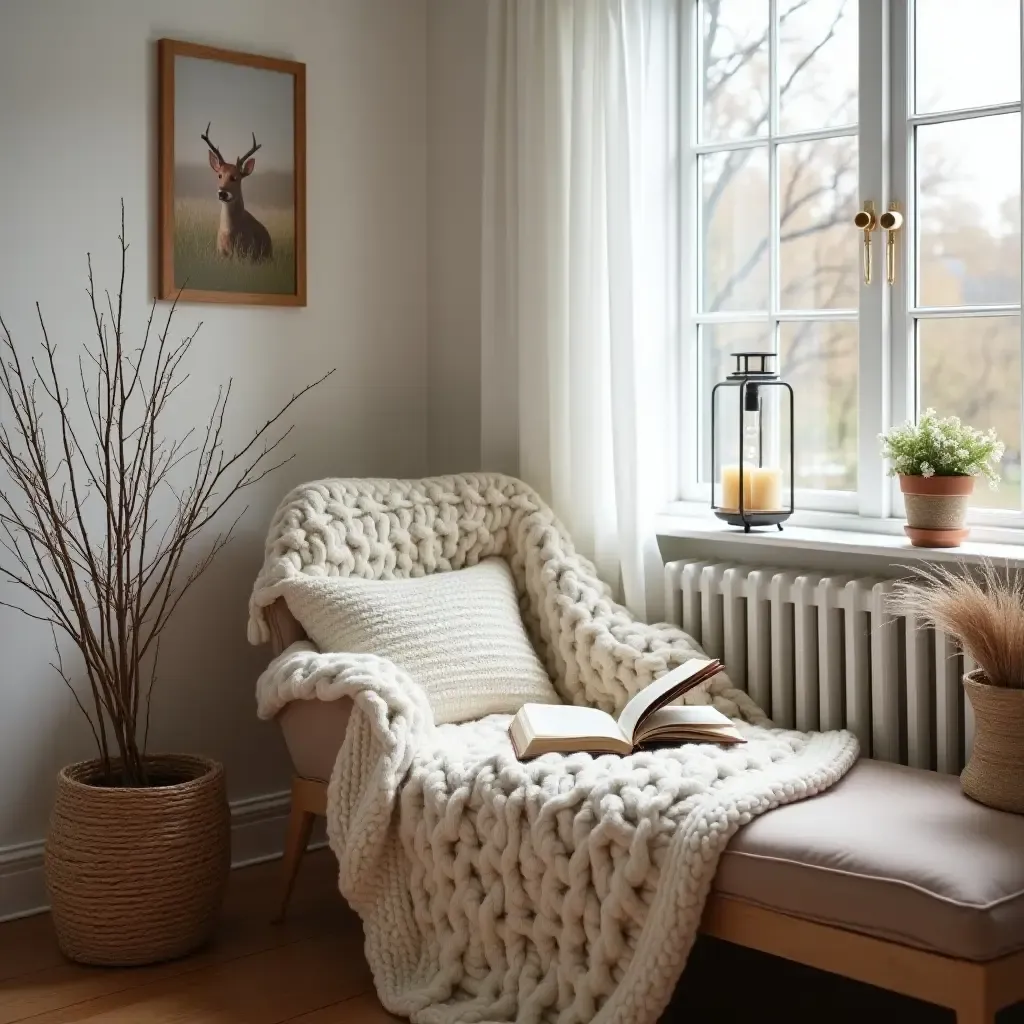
x: 797, y: 112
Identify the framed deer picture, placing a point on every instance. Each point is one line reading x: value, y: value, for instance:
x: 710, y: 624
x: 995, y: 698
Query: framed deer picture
x: 232, y: 176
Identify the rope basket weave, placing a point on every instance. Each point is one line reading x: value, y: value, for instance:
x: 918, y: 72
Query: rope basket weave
x: 937, y: 511
x: 936, y: 502
x: 137, y: 875
x: 995, y: 772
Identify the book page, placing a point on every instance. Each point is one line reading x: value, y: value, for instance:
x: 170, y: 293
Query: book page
x: 545, y: 724
x: 695, y: 720
x: 661, y: 691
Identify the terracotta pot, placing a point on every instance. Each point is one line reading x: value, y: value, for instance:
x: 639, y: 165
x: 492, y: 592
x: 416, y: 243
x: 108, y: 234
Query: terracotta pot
x: 137, y: 875
x: 936, y: 509
x: 995, y: 772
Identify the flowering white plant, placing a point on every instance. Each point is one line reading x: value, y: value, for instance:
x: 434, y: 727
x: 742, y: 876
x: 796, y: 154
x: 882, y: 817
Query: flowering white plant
x: 942, y: 447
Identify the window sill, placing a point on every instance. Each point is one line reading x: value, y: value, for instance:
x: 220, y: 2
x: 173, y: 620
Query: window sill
x: 841, y: 533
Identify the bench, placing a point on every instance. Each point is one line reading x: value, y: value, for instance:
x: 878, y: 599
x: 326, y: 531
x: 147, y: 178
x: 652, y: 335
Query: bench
x: 892, y: 877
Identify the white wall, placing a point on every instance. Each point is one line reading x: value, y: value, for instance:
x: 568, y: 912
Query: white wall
x: 456, y: 51
x: 77, y: 124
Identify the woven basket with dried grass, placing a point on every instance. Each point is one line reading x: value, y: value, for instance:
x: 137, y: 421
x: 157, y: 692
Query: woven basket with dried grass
x: 101, y: 515
x: 984, y: 613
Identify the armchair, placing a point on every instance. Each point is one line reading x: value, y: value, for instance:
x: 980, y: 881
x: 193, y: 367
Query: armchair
x: 592, y: 648
x: 893, y: 877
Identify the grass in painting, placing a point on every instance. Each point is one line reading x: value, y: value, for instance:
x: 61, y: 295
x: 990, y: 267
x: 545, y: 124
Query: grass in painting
x: 198, y: 265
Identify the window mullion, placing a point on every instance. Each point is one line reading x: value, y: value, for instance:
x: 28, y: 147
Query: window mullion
x: 875, y: 384
x: 903, y: 298
x: 690, y: 421
x: 773, y: 169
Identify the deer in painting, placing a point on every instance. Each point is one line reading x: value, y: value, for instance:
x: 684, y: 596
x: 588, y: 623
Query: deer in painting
x: 240, y: 233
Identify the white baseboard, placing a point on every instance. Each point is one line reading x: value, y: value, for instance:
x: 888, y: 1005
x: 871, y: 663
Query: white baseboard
x: 22, y: 889
x: 257, y: 834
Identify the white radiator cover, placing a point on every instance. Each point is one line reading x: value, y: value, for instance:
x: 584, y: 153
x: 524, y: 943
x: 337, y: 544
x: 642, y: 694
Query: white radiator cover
x: 825, y: 652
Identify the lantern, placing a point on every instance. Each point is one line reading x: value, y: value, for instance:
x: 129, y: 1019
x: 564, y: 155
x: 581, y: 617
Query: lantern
x: 752, y: 457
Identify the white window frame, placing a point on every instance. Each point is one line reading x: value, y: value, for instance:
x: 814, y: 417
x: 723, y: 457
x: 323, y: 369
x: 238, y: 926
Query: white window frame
x: 904, y: 314
x: 887, y: 350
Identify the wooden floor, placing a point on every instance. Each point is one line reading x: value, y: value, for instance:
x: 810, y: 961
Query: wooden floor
x: 311, y: 970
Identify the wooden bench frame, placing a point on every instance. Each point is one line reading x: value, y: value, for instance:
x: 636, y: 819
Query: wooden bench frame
x: 975, y: 991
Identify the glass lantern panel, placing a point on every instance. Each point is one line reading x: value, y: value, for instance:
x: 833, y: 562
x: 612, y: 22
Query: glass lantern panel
x: 717, y: 341
x: 726, y: 448
x: 751, y: 421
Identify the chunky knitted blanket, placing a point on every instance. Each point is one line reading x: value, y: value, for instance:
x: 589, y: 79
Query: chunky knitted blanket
x: 564, y: 889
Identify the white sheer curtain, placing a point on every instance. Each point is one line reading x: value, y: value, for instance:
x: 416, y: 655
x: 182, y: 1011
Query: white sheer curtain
x: 579, y: 268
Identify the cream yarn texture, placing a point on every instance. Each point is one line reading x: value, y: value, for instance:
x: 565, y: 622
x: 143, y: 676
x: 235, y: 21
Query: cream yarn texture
x: 459, y: 635
x: 565, y: 889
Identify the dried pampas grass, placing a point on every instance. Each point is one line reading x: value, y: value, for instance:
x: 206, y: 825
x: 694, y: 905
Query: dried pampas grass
x: 982, y: 611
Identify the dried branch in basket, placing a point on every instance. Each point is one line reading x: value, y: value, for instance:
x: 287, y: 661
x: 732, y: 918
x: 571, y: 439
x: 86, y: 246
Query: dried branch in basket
x: 80, y: 513
x: 983, y: 612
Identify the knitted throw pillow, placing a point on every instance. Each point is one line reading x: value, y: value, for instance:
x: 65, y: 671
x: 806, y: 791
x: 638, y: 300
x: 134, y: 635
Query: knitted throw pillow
x: 459, y: 634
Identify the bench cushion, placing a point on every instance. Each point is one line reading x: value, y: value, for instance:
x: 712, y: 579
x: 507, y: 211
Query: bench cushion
x: 889, y: 851
x: 895, y: 852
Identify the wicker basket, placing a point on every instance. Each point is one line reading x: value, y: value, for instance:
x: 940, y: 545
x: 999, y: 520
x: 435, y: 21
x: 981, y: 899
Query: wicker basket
x: 995, y: 772
x: 137, y: 875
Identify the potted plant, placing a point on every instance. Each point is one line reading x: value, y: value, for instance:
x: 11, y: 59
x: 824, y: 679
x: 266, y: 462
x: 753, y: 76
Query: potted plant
x: 937, y: 461
x: 105, y: 521
x: 984, y: 613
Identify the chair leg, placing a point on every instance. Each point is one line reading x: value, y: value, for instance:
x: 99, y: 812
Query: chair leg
x: 300, y: 827
x: 976, y: 1009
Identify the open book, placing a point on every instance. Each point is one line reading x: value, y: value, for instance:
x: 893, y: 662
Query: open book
x: 563, y: 728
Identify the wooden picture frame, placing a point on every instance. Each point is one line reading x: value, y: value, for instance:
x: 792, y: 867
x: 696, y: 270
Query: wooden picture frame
x: 223, y: 250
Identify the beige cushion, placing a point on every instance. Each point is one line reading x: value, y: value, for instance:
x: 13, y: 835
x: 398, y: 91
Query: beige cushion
x: 458, y: 634
x: 892, y: 851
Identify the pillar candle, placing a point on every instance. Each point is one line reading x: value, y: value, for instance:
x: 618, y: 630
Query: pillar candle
x: 765, y: 488
x: 762, y: 488
x: 731, y: 488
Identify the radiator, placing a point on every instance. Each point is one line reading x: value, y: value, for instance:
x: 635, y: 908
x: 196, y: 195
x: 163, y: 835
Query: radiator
x: 826, y: 652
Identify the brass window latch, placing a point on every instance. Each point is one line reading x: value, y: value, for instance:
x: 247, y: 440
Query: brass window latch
x: 890, y: 222
x: 866, y: 221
